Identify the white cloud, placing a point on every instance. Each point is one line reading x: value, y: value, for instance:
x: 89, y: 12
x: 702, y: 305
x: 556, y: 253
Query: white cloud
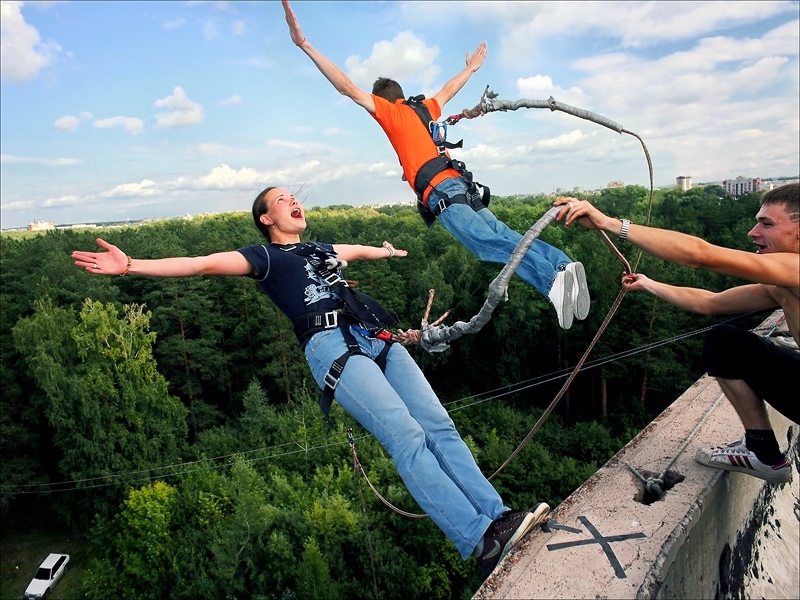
x: 232, y: 100
x: 127, y: 190
x: 57, y: 162
x: 70, y: 122
x: 211, y: 148
x: 227, y: 178
x: 210, y: 31
x: 716, y: 73
x: 541, y: 87
x: 524, y: 25
x: 63, y: 201
x: 181, y: 111
x: 22, y: 53
x: 405, y: 59
x: 131, y: 125
x: 174, y: 23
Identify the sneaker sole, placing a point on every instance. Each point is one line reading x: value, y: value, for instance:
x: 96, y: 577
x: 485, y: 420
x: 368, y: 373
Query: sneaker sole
x: 567, y: 306
x: 535, y: 516
x: 704, y: 458
x: 581, y: 300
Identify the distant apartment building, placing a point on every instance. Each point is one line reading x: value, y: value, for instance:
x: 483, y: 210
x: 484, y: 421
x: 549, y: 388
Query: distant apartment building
x: 615, y: 184
x: 741, y: 185
x: 684, y: 182
x: 41, y: 225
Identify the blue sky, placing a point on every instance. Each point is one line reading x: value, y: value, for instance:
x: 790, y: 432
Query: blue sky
x: 129, y: 110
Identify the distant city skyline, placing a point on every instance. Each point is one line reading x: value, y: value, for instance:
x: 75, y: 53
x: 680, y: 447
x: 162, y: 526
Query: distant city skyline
x: 45, y: 225
x: 209, y: 102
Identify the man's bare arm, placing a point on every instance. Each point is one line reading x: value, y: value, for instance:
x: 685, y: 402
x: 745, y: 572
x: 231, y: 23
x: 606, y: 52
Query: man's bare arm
x: 343, y: 84
x: 452, y: 87
x: 735, y: 300
x: 778, y: 268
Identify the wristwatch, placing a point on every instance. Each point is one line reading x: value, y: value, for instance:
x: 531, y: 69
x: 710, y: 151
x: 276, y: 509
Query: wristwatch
x: 623, y: 233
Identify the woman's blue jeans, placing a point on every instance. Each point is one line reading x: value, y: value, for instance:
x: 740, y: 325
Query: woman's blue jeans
x: 401, y: 410
x: 492, y: 240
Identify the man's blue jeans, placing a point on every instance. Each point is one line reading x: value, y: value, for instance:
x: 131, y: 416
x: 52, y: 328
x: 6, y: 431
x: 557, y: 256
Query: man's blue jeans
x: 492, y: 240
x: 401, y: 410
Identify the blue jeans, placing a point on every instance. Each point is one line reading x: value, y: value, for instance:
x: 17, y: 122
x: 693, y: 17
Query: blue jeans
x: 493, y: 241
x: 401, y: 410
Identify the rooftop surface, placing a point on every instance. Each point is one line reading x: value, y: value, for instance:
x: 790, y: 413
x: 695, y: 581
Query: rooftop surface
x: 712, y: 533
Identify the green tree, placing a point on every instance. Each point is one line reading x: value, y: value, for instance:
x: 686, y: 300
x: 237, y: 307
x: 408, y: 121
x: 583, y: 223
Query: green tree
x: 107, y: 404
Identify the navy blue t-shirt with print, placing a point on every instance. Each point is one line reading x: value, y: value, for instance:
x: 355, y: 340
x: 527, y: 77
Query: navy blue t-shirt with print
x: 290, y: 279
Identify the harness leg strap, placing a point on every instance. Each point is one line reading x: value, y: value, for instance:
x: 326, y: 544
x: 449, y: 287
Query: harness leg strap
x: 334, y: 374
x: 331, y: 381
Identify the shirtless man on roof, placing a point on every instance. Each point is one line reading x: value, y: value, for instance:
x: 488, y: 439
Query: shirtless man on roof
x: 750, y: 369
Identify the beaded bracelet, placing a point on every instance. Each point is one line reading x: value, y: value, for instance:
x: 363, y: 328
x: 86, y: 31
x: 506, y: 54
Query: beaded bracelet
x: 127, y: 268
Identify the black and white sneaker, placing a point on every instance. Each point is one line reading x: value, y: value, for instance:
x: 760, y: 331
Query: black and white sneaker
x: 504, y: 533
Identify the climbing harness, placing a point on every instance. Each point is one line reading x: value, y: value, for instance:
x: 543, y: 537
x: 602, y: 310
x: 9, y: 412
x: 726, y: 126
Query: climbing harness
x: 360, y: 311
x: 437, y: 129
x: 474, y: 198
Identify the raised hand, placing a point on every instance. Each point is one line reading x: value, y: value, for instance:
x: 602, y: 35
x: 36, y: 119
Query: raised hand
x: 112, y: 262
x: 475, y: 61
x: 294, y: 27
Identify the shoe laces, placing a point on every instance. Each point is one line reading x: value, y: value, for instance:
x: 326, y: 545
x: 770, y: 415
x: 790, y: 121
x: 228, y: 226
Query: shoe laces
x: 508, y: 520
x: 735, y: 447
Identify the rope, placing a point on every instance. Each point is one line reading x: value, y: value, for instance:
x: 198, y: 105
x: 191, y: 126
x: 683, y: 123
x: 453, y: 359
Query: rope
x: 565, y: 387
x: 356, y: 464
x: 359, y: 468
x: 653, y: 484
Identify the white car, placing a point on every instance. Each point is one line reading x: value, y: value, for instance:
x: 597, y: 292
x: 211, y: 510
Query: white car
x: 47, y: 576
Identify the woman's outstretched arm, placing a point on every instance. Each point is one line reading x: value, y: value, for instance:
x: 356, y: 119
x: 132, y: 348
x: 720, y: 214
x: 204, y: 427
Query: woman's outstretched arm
x: 351, y: 252
x: 114, y: 261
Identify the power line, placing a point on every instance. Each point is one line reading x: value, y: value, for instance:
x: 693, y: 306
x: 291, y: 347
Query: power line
x: 226, y: 460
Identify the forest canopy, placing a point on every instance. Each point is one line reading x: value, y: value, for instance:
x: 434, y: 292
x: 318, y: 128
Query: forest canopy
x: 181, y: 413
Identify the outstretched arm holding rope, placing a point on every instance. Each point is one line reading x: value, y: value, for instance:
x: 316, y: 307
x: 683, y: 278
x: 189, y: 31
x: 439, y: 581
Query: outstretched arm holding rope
x: 749, y: 369
x: 775, y: 268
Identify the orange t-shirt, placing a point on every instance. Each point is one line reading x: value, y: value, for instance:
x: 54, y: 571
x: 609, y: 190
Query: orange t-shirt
x: 410, y: 138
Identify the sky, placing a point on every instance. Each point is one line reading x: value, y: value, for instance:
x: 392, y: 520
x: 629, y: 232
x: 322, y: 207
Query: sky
x: 113, y: 111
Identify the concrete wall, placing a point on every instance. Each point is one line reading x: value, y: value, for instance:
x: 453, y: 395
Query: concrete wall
x: 739, y: 539
x: 712, y: 534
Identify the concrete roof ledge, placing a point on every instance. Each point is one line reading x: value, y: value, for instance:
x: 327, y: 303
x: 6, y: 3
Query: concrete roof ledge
x: 711, y: 534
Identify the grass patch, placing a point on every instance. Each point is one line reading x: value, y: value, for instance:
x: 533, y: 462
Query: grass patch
x: 22, y: 550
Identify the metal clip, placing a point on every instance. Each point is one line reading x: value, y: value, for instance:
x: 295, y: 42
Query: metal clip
x: 332, y: 279
x: 331, y: 319
x: 332, y: 380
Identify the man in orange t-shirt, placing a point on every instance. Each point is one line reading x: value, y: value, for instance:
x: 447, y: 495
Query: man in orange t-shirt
x: 449, y: 196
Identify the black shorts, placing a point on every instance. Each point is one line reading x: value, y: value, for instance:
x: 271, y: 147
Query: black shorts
x: 770, y: 369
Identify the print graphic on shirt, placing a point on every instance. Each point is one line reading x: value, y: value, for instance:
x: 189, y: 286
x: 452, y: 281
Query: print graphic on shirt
x: 319, y: 290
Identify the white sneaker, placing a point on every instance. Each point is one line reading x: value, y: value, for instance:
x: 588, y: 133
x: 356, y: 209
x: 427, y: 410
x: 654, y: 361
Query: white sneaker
x: 561, y: 296
x: 736, y: 457
x: 580, y: 290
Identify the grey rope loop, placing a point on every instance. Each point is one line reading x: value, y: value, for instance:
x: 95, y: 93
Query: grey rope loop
x: 436, y: 337
x: 488, y: 103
